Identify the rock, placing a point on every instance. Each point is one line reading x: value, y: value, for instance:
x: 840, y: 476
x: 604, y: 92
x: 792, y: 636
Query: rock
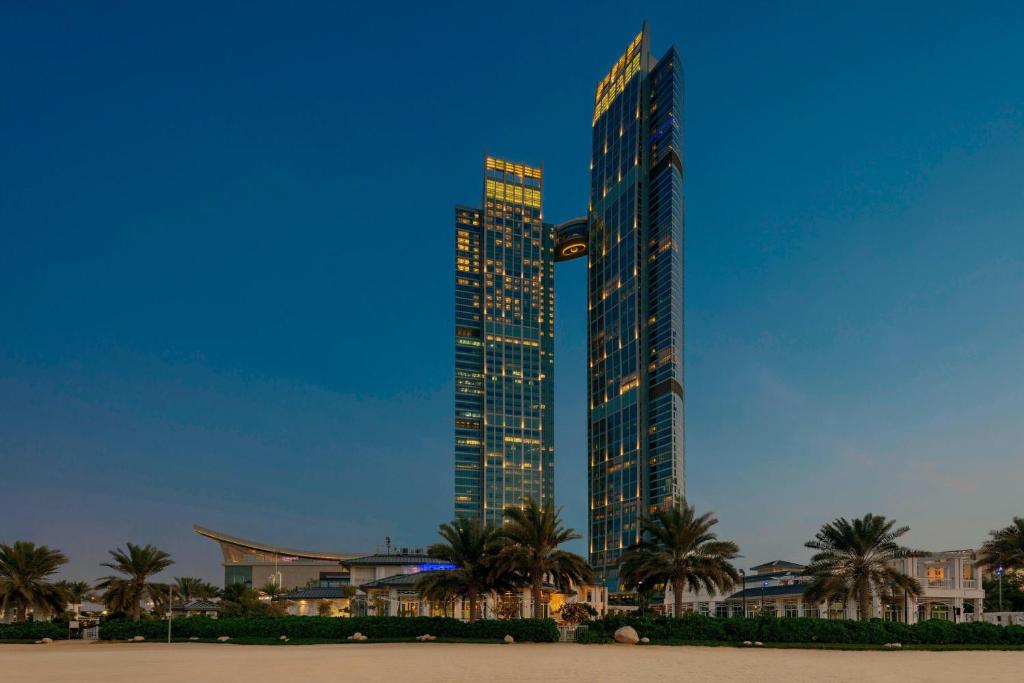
x: 283, y: 638
x: 509, y: 639
x: 897, y: 645
x: 626, y: 635
x: 223, y: 639
x: 357, y: 635
x: 431, y: 637
x: 758, y: 643
x: 747, y: 642
x: 194, y: 638
x: 46, y: 641
x: 645, y: 640
x: 39, y: 642
x: 139, y: 639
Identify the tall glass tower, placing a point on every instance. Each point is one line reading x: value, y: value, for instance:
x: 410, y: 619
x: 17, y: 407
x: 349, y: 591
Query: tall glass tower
x: 504, y: 345
x: 635, y: 299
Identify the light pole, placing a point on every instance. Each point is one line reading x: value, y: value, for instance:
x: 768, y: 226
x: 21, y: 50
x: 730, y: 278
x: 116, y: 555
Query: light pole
x: 999, y: 573
x: 764, y: 584
x: 170, y: 611
x: 743, y: 590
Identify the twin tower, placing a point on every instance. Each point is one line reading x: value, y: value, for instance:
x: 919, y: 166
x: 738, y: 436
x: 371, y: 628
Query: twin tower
x: 505, y: 257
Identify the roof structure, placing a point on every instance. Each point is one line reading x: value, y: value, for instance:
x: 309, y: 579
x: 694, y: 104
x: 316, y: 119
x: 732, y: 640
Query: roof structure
x: 313, y: 594
x: 793, y: 589
x: 197, y: 605
x: 396, y: 581
x: 397, y: 558
x: 281, y: 551
x: 780, y: 564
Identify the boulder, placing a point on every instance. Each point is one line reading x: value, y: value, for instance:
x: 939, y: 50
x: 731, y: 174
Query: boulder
x: 758, y: 643
x: 626, y: 635
x: 194, y: 638
x: 747, y: 642
x: 139, y: 639
x: 223, y: 639
x: 645, y: 640
x: 509, y: 639
x: 46, y: 641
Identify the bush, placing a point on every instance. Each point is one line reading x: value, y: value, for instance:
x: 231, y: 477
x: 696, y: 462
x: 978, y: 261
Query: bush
x: 697, y: 628
x: 34, y: 630
x: 334, y: 628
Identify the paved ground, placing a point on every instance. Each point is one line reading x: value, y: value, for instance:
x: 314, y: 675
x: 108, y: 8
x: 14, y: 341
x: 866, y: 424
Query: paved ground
x: 424, y: 662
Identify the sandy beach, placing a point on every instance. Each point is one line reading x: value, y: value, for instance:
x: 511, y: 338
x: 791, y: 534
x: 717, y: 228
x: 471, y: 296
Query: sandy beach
x: 423, y: 662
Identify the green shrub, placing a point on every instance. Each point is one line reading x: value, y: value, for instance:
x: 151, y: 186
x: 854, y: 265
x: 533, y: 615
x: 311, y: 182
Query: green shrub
x: 34, y: 630
x: 697, y: 628
x: 334, y: 628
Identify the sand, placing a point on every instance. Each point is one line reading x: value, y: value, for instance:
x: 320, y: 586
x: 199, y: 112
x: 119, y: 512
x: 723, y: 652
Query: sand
x: 422, y: 662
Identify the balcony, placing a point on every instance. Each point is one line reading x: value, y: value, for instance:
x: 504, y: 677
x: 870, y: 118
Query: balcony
x: 969, y: 584
x: 936, y: 583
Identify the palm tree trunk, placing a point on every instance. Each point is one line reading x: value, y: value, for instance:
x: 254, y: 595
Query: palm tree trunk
x: 472, y: 603
x: 21, y: 614
x: 535, y: 593
x: 865, y: 605
x: 677, y: 599
x: 137, y: 605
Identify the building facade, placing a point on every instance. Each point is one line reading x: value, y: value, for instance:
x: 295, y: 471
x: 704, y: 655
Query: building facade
x: 504, y: 345
x: 950, y: 590
x: 635, y: 300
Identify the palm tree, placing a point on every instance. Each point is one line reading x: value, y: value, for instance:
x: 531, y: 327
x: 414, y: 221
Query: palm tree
x: 75, y: 592
x: 1005, y: 547
x: 136, y: 564
x: 858, y: 559
x: 529, y: 548
x: 25, y: 571
x: 190, y: 588
x: 678, y: 549
x: 469, y: 545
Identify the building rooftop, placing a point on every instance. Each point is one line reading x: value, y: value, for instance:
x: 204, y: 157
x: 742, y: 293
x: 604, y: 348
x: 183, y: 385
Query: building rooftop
x: 197, y: 605
x: 399, y: 559
x: 313, y: 594
x: 271, y: 549
x: 794, y: 589
x: 778, y: 564
x: 396, y: 581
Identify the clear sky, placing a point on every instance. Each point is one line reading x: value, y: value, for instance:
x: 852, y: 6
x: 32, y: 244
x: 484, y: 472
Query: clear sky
x: 226, y: 262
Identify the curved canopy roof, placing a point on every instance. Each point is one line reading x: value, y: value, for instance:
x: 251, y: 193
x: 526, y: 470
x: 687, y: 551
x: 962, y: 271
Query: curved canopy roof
x: 273, y: 549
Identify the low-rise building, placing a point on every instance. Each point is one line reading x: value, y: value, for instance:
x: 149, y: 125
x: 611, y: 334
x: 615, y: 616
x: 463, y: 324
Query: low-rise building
x: 950, y: 583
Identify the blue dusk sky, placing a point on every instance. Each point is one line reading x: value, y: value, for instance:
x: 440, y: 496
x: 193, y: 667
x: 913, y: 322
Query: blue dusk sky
x: 226, y: 262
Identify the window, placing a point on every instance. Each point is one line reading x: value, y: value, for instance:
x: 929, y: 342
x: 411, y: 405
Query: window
x: 790, y: 609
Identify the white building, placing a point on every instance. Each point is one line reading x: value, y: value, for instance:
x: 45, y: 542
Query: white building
x: 950, y: 582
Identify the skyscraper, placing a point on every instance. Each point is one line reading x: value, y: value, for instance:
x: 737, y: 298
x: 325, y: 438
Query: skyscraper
x: 635, y: 299
x: 504, y: 345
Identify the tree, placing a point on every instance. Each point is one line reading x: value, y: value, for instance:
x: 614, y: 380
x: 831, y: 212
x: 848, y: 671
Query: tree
x: 75, y: 592
x: 189, y: 588
x: 238, y: 600
x: 25, y: 571
x: 1005, y: 548
x: 530, y: 540
x: 678, y: 549
x: 858, y: 559
x: 470, y: 547
x: 577, y: 612
x: 136, y: 564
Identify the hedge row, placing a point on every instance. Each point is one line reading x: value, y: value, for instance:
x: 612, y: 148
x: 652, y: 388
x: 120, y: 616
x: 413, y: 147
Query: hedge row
x: 34, y: 630
x: 695, y: 628
x: 333, y: 628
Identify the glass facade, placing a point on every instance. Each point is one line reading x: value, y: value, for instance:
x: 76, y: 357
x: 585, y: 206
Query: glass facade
x: 504, y: 345
x: 635, y: 300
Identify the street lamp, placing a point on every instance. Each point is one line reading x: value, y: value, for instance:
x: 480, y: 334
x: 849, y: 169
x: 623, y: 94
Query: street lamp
x: 999, y: 573
x: 764, y: 584
x: 743, y: 590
